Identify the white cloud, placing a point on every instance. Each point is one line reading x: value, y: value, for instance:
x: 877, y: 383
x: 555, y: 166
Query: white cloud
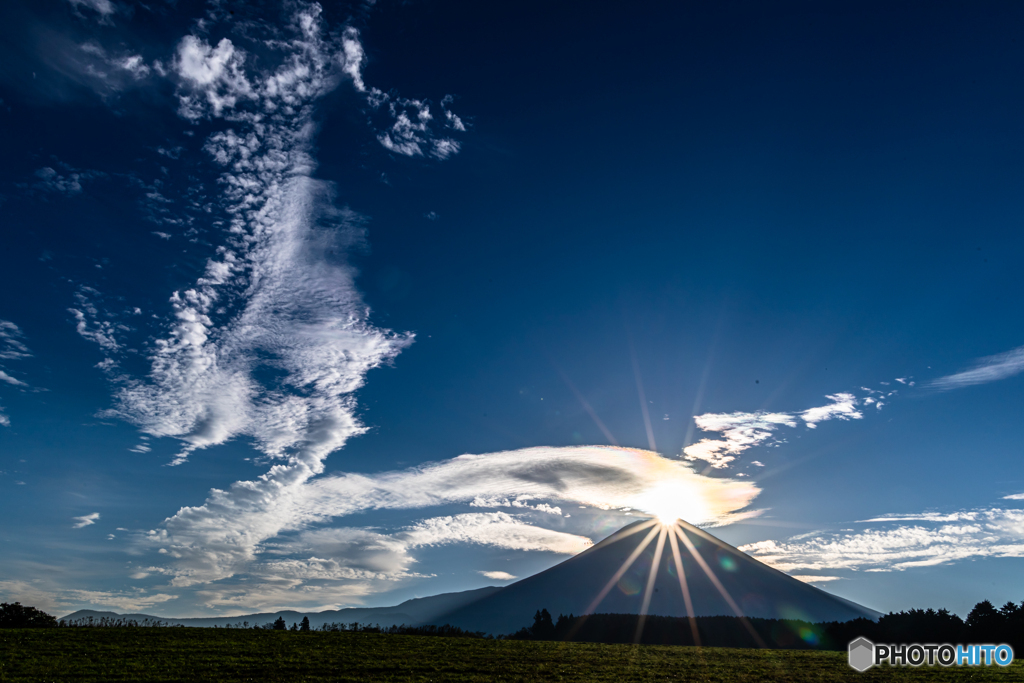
x: 211, y: 77
x: 4, y: 377
x: 274, y: 339
x: 86, y: 520
x: 89, y: 322
x: 454, y: 122
x: 299, y: 313
x: 275, y: 301
x: 352, y: 57
x: 498, y: 576
x: 226, y: 535
x: 411, y: 128
x: 843, y: 407
x: 1014, y: 496
x: 521, y: 502
x: 30, y: 593
x: 495, y: 528
x: 276, y: 594
x: 936, y: 539
x: 808, y: 578
x: 741, y: 431
x: 989, y: 369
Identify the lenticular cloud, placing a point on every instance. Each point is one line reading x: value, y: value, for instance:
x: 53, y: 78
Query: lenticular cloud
x: 226, y: 535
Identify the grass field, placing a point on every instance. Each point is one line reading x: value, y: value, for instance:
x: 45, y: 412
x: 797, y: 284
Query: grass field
x: 193, y: 654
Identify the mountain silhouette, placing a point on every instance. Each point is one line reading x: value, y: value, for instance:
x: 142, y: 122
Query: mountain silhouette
x: 414, y: 612
x: 615, y: 576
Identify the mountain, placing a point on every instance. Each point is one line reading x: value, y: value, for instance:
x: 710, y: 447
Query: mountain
x: 411, y: 612
x: 613, y: 577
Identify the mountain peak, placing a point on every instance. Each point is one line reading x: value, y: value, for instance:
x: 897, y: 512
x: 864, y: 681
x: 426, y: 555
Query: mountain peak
x: 649, y: 567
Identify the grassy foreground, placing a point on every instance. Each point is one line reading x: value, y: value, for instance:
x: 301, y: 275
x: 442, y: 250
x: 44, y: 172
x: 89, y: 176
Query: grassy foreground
x: 194, y: 654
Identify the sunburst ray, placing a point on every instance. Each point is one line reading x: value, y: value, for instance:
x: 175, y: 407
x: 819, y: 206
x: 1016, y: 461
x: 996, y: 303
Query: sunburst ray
x: 649, y: 590
x: 718, y: 584
x: 687, y: 600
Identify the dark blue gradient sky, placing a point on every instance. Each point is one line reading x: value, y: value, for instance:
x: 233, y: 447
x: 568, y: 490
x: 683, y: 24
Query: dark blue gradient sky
x: 737, y: 210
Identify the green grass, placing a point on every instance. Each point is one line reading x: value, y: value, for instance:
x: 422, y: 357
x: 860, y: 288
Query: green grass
x: 193, y: 654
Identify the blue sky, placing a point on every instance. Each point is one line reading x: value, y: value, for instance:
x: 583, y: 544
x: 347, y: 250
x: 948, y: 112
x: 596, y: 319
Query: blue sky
x: 270, y: 274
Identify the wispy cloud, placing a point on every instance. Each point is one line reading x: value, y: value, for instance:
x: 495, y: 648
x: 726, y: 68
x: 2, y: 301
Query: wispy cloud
x: 104, y: 9
x: 741, y: 431
x: 935, y: 539
x: 273, y: 297
x: 129, y: 601
x: 54, y: 598
x: 85, y: 520
x: 94, y: 325
x: 411, y: 132
x: 113, y: 70
x: 12, y: 347
x: 274, y: 339
x: 497, y: 529
x: 226, y: 535
x: 4, y: 377
x: 1014, y: 496
x: 67, y: 182
x: 988, y: 369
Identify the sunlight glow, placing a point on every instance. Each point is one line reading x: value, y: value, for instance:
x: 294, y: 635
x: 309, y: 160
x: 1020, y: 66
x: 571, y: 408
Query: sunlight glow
x: 675, y: 500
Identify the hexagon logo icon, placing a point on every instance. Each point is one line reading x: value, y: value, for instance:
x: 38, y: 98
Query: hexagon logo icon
x: 862, y: 654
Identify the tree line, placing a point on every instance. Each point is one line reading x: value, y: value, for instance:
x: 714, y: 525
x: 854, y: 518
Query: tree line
x: 16, y: 615
x: 984, y: 624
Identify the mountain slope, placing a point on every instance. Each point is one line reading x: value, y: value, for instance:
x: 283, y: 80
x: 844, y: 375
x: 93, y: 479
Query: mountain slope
x: 602, y: 579
x: 415, y: 611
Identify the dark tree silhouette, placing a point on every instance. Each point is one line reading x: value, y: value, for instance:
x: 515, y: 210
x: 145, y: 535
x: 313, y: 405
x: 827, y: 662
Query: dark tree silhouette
x: 19, y: 616
x: 279, y: 625
x: 304, y: 626
x: 986, y: 624
x: 543, y: 628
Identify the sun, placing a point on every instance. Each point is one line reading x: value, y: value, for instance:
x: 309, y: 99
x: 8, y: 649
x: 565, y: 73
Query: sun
x: 672, y: 501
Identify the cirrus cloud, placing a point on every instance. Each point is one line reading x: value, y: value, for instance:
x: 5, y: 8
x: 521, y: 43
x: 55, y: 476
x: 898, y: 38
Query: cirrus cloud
x: 741, y: 431
x: 988, y: 369
x: 933, y: 539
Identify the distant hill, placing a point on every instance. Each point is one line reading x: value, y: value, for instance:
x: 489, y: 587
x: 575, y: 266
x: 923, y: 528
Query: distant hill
x: 574, y: 586
x: 417, y: 611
